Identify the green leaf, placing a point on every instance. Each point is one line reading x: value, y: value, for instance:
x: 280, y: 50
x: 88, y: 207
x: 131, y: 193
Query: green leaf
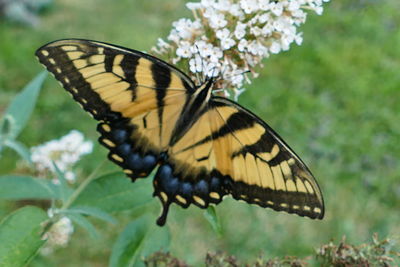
x: 126, y: 251
x: 84, y: 223
x: 212, y: 218
x: 115, y: 192
x: 139, y: 239
x: 24, y: 187
x: 20, y: 109
x: 95, y: 212
x: 20, y: 149
x: 20, y: 240
x: 157, y: 239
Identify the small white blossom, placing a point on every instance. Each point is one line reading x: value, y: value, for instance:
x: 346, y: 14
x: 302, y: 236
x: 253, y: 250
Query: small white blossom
x: 197, y: 46
x: 293, y: 6
x: 238, y: 92
x: 216, y: 54
x: 299, y: 16
x: 276, y: 8
x: 223, y: 5
x: 249, y: 6
x: 209, y: 12
x: 64, y: 152
x: 257, y: 49
x: 275, y: 48
x: 256, y: 31
x: 298, y: 39
x: 267, y: 29
x: 227, y: 43
x: 173, y: 36
x: 223, y: 34
x: 162, y: 43
x: 207, y: 3
x: 184, y: 50
x: 196, y: 64
x: 240, y: 30
x: 264, y: 18
x: 263, y: 5
x: 319, y: 10
x: 236, y: 77
x: 253, y: 21
x: 193, y: 6
x: 205, y: 49
x: 235, y: 10
x: 250, y: 59
x: 285, y: 44
x: 211, y: 69
x: 218, y: 21
x: 185, y: 28
x: 242, y: 46
x: 58, y: 235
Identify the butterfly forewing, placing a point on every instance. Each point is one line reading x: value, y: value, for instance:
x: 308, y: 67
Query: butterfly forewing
x: 263, y: 169
x: 137, y: 98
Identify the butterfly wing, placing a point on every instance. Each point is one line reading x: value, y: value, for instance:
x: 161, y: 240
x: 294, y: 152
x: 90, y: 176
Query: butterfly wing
x: 229, y: 150
x: 263, y: 168
x: 136, y: 97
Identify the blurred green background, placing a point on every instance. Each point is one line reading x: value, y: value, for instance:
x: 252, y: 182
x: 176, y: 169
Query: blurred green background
x: 335, y: 100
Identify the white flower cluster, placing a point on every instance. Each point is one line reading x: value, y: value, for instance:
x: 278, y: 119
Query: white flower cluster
x: 58, y: 235
x: 228, y: 38
x: 64, y: 152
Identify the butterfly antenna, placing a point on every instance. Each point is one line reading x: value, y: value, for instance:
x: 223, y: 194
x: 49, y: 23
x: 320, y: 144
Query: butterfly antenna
x: 213, y: 71
x: 221, y: 74
x: 203, y: 66
x: 198, y: 76
x: 221, y: 77
x: 241, y: 73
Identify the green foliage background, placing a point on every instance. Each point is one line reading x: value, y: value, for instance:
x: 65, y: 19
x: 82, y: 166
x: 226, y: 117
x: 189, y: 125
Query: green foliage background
x: 335, y: 100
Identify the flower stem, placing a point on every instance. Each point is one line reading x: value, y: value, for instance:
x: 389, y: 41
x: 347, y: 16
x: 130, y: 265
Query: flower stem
x: 81, y: 187
x: 49, y: 223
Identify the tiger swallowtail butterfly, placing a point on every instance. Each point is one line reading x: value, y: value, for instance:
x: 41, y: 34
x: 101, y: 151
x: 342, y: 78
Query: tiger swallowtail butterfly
x: 152, y: 115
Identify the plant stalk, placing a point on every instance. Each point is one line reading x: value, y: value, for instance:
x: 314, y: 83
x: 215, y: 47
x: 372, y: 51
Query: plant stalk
x: 81, y: 187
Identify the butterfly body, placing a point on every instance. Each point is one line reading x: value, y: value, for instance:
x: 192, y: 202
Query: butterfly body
x: 151, y: 115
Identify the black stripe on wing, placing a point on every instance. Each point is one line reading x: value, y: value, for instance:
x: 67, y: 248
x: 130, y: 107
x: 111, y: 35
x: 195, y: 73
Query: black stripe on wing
x: 162, y: 79
x: 57, y: 62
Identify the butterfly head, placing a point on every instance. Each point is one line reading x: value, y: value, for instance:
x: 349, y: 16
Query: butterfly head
x: 219, y: 82
x: 205, y: 89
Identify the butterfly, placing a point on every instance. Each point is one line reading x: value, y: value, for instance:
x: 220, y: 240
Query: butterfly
x: 152, y: 115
